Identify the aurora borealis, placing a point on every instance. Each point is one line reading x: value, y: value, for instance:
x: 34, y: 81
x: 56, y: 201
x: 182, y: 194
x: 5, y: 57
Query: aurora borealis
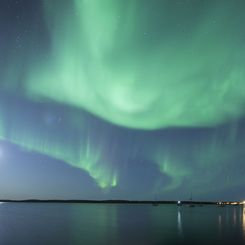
x: 138, y: 98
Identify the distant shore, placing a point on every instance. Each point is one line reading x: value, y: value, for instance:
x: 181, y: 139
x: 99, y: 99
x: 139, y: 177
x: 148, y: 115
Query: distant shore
x: 113, y: 201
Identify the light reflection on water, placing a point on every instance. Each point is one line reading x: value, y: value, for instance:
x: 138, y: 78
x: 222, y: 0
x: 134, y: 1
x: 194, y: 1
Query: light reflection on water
x: 220, y: 224
x: 234, y: 216
x: 179, y: 223
x: 63, y: 224
x: 243, y: 222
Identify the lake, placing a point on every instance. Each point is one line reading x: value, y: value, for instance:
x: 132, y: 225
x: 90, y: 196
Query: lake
x: 52, y: 223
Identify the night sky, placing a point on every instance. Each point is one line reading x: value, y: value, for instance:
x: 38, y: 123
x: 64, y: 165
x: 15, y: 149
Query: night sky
x: 122, y: 99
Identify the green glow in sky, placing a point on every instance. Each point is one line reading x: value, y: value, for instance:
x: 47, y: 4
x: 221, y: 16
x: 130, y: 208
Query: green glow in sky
x: 134, y: 84
x: 136, y: 69
x: 45, y: 139
x: 176, y: 170
x: 212, y: 159
x: 217, y: 160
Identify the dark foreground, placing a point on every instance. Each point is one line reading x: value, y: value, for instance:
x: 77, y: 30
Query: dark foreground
x: 64, y: 223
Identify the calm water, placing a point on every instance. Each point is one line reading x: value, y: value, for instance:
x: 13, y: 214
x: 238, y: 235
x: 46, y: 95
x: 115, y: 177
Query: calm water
x: 119, y: 224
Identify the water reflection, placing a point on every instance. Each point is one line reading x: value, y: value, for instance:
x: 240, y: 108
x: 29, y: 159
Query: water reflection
x: 243, y: 221
x: 103, y: 220
x: 234, y: 216
x: 220, y: 223
x: 119, y: 224
x: 179, y: 222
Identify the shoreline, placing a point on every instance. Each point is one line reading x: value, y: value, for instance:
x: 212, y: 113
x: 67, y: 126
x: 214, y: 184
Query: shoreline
x: 117, y: 202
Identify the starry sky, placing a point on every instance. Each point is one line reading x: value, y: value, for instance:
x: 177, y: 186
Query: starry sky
x: 122, y: 99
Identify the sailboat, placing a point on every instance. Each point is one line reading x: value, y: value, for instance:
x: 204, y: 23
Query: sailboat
x: 155, y: 203
x: 191, y: 205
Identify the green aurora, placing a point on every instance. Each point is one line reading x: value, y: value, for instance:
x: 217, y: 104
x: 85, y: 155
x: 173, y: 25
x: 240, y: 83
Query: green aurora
x: 141, y: 69
x: 73, y: 147
x: 138, y: 70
